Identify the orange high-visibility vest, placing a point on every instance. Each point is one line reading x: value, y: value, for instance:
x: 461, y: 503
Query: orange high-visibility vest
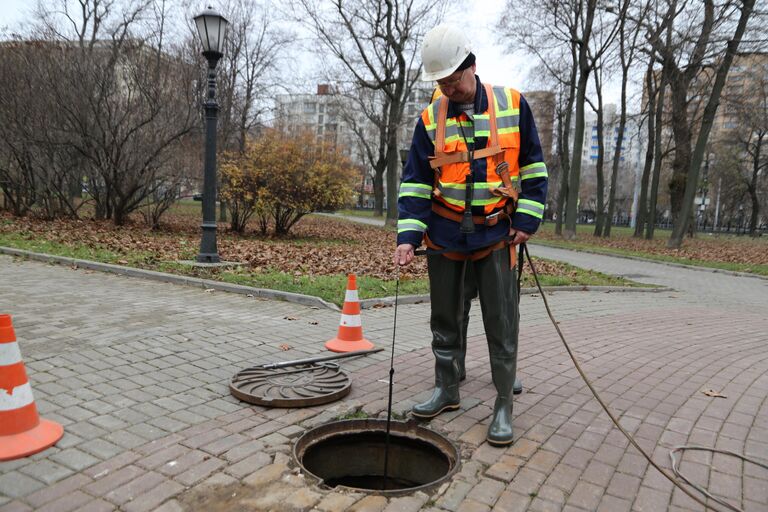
x: 499, y: 124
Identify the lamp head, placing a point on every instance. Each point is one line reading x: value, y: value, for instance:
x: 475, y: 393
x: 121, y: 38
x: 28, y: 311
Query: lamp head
x: 212, y: 28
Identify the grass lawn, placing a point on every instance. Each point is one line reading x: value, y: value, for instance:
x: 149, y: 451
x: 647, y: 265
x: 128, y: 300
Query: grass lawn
x: 314, y: 259
x: 722, y: 251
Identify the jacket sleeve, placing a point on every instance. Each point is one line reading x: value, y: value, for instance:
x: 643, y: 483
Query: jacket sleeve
x: 414, y: 202
x: 533, y: 174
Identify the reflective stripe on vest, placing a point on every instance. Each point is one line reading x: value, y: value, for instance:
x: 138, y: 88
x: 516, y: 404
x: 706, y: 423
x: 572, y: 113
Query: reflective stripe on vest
x: 451, y: 185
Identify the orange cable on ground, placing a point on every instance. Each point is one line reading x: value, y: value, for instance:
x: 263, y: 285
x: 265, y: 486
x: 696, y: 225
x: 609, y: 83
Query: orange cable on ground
x: 350, y: 335
x: 22, y: 431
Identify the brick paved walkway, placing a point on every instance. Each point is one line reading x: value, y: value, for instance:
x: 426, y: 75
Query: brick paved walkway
x: 137, y: 372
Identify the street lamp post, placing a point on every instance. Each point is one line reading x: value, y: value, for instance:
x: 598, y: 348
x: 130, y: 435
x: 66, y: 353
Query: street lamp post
x: 212, y: 27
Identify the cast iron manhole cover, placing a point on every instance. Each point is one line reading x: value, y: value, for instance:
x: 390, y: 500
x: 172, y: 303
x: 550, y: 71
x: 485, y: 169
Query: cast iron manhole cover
x: 293, y: 386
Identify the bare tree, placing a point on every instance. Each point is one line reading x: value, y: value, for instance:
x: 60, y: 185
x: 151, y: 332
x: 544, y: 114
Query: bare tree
x: 600, y: 133
x: 749, y: 133
x: 375, y: 42
x: 116, y: 106
x: 38, y: 169
x: 696, y: 46
x: 628, y: 44
x: 549, y: 30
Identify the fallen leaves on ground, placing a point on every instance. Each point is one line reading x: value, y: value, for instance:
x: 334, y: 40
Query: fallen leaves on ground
x: 703, y: 247
x: 319, y: 245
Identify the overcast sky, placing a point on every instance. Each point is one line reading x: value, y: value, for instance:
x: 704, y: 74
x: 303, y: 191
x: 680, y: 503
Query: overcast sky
x: 495, y: 64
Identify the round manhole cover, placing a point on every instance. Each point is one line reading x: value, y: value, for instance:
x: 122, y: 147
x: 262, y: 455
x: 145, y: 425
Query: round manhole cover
x: 294, y: 386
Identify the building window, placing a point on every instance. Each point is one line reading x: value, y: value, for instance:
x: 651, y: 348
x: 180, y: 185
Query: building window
x: 309, y: 108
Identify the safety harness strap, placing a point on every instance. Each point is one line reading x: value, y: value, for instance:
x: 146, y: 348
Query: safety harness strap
x: 486, y: 220
x: 462, y: 156
x: 435, y: 249
x: 443, y: 158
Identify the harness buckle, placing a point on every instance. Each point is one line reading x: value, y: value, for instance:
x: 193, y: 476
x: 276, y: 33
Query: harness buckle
x: 492, y: 219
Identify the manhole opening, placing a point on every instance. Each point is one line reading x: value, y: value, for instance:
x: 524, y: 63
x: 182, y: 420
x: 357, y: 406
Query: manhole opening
x: 351, y: 454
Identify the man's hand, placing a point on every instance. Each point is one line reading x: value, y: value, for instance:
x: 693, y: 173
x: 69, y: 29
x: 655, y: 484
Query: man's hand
x: 520, y: 237
x: 403, y: 254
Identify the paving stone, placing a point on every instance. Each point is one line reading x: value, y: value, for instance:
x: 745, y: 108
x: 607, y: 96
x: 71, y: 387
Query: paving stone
x: 335, y: 502
x: 475, y: 435
x: 170, y: 506
x: 113, y: 464
x: 125, y: 439
x: 72, y: 501
x: 100, y: 448
x: 57, y: 490
x: 46, y: 471
x: 112, y: 480
x: 369, y: 504
x: 302, y: 499
x: 265, y: 475
x: 472, y: 506
x: 506, y: 469
x: 151, y: 499
x: 586, y: 496
x: 487, y: 491
x: 454, y: 495
x: 243, y: 451
x: 199, y: 471
x: 135, y: 488
x: 219, y: 479
x: 249, y: 465
x: 74, y: 459
x: 512, y: 502
x: 163, y: 456
x: 17, y: 484
x: 649, y: 499
x: 412, y: 503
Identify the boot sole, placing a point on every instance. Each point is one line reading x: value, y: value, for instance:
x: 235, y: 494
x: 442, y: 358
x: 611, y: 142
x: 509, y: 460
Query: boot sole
x: 446, y: 408
x: 499, y: 443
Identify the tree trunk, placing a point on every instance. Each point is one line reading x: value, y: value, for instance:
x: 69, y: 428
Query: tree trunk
x: 681, y: 131
x: 692, y: 183
x: 378, y: 188
x: 752, y: 188
x: 626, y: 61
x: 654, y: 192
x: 565, y: 130
x: 641, y: 216
x: 393, y: 155
x: 572, y: 210
x: 600, y: 210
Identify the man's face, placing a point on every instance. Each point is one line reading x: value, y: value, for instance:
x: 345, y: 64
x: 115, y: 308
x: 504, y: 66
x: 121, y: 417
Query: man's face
x: 459, y: 87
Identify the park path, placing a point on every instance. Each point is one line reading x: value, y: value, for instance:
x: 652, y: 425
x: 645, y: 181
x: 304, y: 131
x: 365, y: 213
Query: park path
x: 137, y: 372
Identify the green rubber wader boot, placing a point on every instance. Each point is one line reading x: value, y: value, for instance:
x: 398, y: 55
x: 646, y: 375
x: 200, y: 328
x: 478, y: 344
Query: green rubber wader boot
x: 498, y: 300
x: 500, y: 432
x: 470, y: 292
x: 445, y: 397
x: 445, y: 280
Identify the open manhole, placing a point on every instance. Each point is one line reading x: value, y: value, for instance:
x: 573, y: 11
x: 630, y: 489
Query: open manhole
x: 350, y: 453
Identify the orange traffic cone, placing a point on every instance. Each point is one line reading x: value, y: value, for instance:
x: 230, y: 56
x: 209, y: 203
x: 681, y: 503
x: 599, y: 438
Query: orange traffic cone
x: 22, y: 432
x: 350, y: 336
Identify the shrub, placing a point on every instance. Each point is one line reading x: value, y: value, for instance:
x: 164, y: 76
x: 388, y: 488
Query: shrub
x: 281, y: 177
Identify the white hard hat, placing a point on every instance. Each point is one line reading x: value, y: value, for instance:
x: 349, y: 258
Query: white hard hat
x: 444, y: 49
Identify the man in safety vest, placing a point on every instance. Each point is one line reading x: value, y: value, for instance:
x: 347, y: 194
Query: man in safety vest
x: 473, y: 149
